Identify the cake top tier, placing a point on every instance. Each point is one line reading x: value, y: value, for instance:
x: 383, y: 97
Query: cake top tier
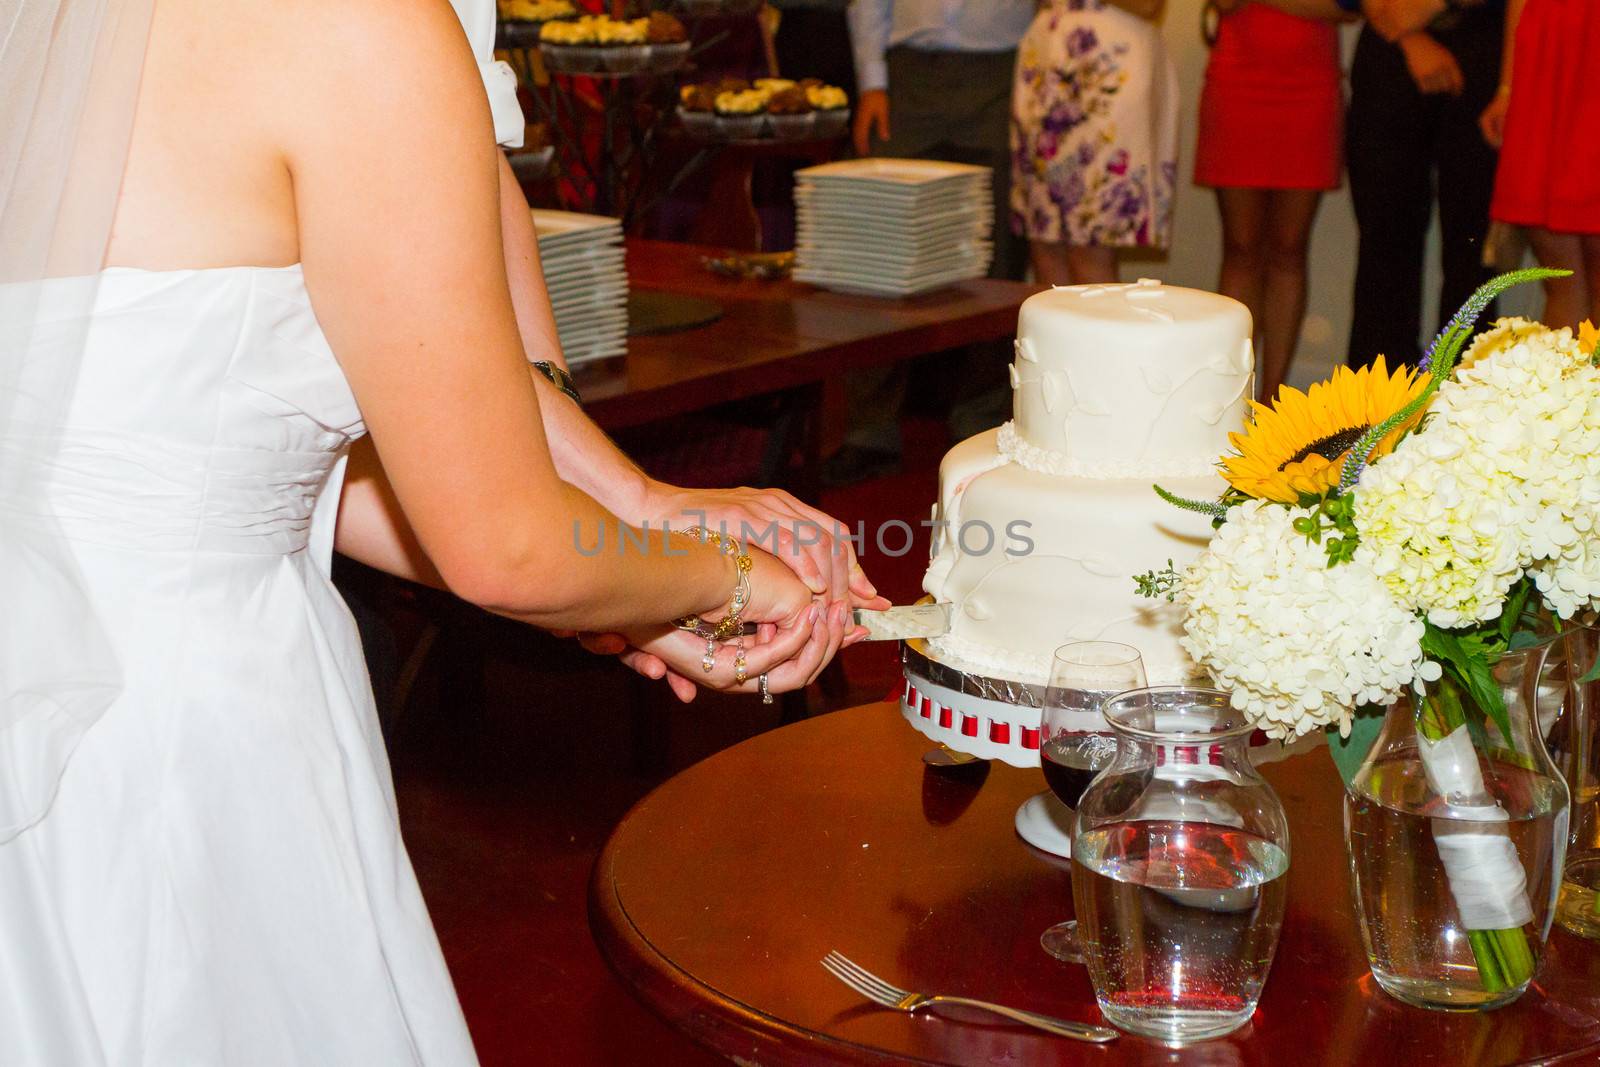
x: 1129, y: 380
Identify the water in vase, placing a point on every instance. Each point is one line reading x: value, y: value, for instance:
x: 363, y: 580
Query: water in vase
x: 1579, y: 904
x: 1179, y: 922
x: 1422, y: 953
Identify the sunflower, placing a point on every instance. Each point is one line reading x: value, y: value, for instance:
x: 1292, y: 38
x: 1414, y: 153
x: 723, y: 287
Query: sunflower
x: 1588, y: 337
x: 1297, y: 446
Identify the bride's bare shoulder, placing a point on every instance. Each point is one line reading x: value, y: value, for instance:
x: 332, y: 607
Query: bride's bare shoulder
x: 303, y: 50
x: 266, y: 92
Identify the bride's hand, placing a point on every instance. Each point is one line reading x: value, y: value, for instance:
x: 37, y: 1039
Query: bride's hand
x: 810, y: 542
x: 796, y: 639
x: 790, y: 656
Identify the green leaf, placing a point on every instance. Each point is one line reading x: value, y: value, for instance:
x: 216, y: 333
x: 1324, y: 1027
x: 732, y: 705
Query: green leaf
x: 1523, y: 639
x: 1593, y: 675
x: 1511, y: 610
x: 1350, y: 752
x: 1465, y: 658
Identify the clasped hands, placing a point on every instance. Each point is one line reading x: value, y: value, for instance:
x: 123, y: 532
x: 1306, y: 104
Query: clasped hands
x: 805, y: 582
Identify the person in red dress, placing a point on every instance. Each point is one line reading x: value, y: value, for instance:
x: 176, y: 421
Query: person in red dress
x: 1546, y: 118
x: 1271, y: 122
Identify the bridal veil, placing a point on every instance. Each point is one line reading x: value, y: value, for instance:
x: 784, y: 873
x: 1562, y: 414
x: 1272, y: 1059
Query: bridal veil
x: 69, y: 80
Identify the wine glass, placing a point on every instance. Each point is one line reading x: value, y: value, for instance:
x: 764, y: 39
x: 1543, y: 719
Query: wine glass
x: 1074, y: 743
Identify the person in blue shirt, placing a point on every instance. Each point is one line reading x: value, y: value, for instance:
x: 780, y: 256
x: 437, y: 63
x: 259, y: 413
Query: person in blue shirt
x: 934, y: 82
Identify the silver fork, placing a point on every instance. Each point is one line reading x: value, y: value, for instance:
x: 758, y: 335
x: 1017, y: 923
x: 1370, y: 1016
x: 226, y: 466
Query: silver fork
x: 878, y: 991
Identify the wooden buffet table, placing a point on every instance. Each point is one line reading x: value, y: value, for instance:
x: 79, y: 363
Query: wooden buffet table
x: 719, y: 893
x: 775, y: 336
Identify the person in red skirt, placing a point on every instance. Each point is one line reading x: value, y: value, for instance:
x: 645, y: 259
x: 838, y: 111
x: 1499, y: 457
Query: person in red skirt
x: 1546, y: 118
x: 1271, y: 121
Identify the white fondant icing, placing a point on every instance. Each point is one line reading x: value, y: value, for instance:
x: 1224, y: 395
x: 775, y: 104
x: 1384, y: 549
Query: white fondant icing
x: 1014, y: 448
x: 1050, y: 390
x: 1119, y: 364
x: 1118, y: 401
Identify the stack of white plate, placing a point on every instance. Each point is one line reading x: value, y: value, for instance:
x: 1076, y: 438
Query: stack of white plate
x: 892, y: 227
x: 587, y: 280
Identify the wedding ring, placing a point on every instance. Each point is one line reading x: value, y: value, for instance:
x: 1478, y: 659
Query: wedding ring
x: 766, y: 697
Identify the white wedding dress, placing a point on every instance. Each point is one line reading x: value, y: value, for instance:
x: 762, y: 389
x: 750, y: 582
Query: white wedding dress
x: 220, y: 880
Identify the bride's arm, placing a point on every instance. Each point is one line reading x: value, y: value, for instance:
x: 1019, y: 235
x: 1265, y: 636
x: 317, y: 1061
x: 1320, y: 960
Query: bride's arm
x: 536, y: 321
x: 405, y: 269
x: 804, y: 538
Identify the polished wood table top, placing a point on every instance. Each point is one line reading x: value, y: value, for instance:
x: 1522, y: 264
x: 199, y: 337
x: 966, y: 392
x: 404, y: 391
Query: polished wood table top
x: 776, y: 335
x: 717, y: 895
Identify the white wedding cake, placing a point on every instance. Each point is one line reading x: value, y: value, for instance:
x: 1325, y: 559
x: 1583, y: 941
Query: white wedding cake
x: 1042, y: 524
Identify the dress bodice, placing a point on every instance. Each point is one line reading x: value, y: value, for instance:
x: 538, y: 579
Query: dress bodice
x: 208, y: 865
x: 208, y: 415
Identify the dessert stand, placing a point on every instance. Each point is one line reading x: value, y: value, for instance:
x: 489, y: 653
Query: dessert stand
x: 999, y: 719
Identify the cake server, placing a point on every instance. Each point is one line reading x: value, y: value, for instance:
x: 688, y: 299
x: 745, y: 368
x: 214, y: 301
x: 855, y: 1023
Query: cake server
x: 909, y: 620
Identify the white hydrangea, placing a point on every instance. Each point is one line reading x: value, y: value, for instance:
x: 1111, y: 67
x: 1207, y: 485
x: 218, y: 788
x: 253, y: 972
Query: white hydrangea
x: 1503, y: 334
x: 1504, y: 473
x: 1300, y: 645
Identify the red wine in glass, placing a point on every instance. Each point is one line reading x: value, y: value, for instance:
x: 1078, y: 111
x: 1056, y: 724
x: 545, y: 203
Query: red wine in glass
x: 1071, y: 761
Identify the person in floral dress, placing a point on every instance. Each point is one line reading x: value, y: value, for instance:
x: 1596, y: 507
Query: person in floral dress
x: 1094, y: 137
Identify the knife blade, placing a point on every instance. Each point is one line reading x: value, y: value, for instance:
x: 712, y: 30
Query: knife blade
x: 909, y: 620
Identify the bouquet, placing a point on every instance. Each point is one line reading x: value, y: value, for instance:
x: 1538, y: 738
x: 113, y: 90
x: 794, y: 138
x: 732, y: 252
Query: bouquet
x: 1394, y: 532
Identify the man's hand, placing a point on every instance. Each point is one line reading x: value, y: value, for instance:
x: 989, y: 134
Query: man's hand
x: 1396, y: 18
x: 872, y: 114
x: 1432, y: 65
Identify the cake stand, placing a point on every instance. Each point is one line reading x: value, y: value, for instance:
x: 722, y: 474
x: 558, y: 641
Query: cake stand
x: 999, y: 719
x: 992, y: 718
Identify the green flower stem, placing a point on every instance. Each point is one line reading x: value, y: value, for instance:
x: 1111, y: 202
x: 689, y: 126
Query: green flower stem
x: 1504, y: 959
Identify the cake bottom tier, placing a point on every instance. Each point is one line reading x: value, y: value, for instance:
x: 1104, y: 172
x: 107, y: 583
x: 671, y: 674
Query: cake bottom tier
x: 1032, y: 561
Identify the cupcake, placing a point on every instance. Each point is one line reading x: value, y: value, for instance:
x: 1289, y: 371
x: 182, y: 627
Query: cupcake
x: 774, y: 85
x: 662, y: 28
x: 697, y: 106
x: 741, y: 113
x: 571, y: 46
x: 832, y: 107
x: 698, y: 97
x: 623, y: 45
x: 669, y: 42
x: 827, y: 97
x: 790, y: 112
x: 536, y: 10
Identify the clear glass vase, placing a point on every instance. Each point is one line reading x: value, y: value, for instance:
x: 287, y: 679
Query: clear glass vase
x: 1574, y: 742
x: 1456, y: 836
x: 1180, y: 864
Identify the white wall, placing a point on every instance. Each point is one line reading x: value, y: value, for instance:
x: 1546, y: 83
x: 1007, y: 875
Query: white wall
x: 1197, y: 233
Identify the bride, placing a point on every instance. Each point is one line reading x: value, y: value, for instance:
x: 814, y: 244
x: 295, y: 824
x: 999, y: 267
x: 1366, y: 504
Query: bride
x: 304, y: 290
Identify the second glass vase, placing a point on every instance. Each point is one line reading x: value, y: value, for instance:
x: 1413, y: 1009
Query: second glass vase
x: 1574, y: 742
x: 1456, y: 836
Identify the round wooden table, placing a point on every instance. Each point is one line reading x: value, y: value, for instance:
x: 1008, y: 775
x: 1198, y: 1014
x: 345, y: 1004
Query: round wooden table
x: 719, y: 893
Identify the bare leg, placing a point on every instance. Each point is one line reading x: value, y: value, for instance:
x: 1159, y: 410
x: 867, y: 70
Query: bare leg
x: 1591, y: 274
x: 1058, y: 263
x: 1244, y: 224
x: 1289, y: 217
x: 1566, y: 300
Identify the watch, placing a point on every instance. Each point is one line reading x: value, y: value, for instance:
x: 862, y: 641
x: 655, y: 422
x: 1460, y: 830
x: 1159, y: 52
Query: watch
x: 558, y: 378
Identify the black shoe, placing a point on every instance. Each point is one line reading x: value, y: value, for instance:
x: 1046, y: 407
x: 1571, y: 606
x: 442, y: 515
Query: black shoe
x: 853, y: 464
